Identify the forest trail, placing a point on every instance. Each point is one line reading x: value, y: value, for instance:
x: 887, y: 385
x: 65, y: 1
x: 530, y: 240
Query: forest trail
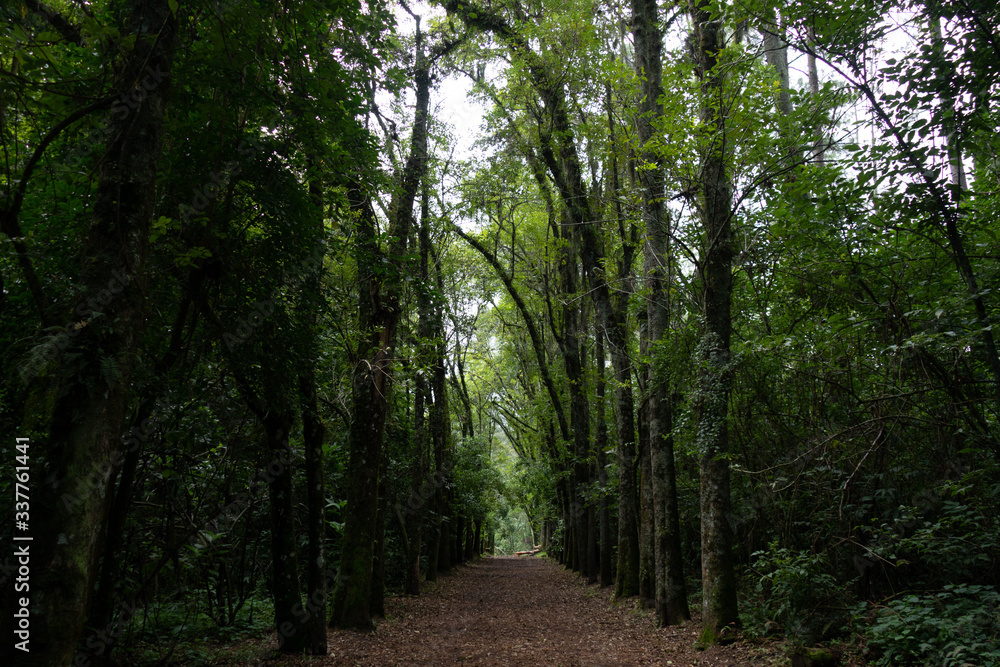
x: 523, y: 611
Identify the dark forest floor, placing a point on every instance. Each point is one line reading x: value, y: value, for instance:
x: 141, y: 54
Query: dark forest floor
x: 524, y: 611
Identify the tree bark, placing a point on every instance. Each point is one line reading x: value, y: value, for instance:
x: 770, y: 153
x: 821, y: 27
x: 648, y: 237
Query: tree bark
x: 378, y: 554
x: 606, y: 559
x: 570, y: 346
x: 73, y: 462
x: 718, y: 570
x: 378, y: 317
x: 819, y: 144
x: 670, y: 591
x: 776, y: 54
x: 647, y: 554
x: 351, y: 598
x: 285, y: 590
x: 421, y: 489
x: 445, y: 561
x: 313, y: 436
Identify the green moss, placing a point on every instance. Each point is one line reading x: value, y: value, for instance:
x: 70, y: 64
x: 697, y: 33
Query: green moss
x: 706, y: 639
x: 814, y: 657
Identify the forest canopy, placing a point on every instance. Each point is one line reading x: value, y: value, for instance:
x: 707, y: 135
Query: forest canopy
x: 703, y: 307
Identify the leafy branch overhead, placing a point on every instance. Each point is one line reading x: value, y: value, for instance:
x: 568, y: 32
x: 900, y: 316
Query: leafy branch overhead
x: 306, y: 304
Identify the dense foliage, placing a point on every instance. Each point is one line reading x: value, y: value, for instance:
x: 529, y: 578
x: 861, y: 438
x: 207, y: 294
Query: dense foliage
x: 705, y: 308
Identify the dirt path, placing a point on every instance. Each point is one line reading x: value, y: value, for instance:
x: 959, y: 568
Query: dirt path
x: 522, y: 611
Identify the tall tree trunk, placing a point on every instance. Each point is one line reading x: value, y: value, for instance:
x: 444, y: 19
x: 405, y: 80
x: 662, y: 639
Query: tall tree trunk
x: 439, y: 421
x: 647, y: 555
x: 570, y: 346
x: 593, y: 555
x: 606, y: 558
x: 470, y: 539
x: 421, y: 492
x: 421, y: 488
x: 378, y: 554
x: 285, y: 590
x: 433, y: 549
x: 670, y: 591
x: 445, y: 561
x: 458, y: 546
x: 819, y: 144
x: 351, y: 596
x: 73, y: 463
x: 627, y: 581
x: 102, y: 609
x: 378, y: 316
x: 718, y: 570
x: 776, y: 54
x: 313, y: 436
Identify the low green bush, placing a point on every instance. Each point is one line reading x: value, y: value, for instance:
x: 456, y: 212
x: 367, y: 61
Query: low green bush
x: 956, y: 626
x: 796, y: 593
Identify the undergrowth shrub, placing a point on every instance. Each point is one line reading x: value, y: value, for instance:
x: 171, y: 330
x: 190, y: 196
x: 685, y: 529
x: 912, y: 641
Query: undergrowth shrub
x: 179, y: 633
x: 953, y: 538
x: 796, y: 593
x: 954, y: 627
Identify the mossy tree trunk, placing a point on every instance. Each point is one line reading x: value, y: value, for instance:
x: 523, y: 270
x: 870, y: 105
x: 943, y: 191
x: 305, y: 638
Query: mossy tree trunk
x: 78, y: 408
x: 718, y: 571
x: 379, y: 310
x: 606, y: 557
x: 670, y: 591
x: 285, y: 585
